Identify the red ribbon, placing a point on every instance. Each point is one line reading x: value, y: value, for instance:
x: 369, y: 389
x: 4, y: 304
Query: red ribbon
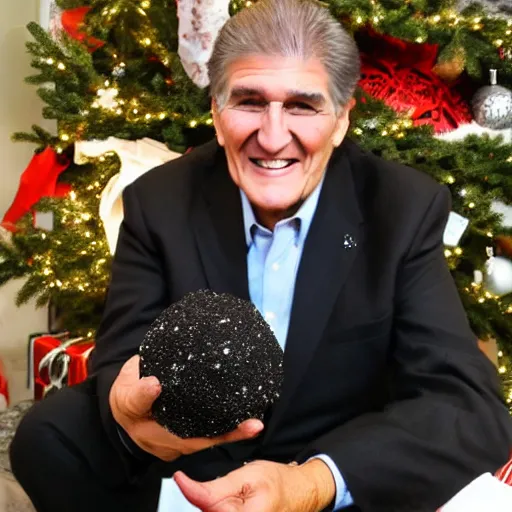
x: 38, y: 180
x: 78, y: 362
x: 4, y: 388
x: 400, y: 73
x: 72, y: 21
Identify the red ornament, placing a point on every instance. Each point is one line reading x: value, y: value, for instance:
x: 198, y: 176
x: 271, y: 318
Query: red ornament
x: 400, y: 73
x: 72, y: 21
x: 38, y: 180
x: 4, y: 387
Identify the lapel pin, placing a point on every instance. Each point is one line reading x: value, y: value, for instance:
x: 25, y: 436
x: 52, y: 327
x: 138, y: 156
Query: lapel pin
x: 349, y: 242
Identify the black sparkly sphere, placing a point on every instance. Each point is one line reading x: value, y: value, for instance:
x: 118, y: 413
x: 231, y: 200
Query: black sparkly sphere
x: 217, y: 360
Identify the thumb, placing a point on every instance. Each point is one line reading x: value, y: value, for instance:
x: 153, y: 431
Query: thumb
x: 203, y: 495
x: 142, y: 395
x: 246, y: 430
x: 139, y: 394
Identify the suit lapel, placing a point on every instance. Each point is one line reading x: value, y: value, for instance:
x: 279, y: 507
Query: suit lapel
x: 217, y: 222
x: 330, y: 249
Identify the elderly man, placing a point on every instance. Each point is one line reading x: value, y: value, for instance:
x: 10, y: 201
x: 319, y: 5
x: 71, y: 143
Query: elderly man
x: 387, y: 405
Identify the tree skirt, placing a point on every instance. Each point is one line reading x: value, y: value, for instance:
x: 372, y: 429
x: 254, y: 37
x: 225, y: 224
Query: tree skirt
x: 9, y: 420
x: 12, y: 497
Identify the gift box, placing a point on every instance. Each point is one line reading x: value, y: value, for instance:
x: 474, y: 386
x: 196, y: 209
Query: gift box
x: 485, y: 493
x: 56, y: 360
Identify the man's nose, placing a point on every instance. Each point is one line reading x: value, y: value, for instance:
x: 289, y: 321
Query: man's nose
x: 274, y: 135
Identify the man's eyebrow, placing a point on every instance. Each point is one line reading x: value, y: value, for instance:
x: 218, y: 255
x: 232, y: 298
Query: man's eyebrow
x: 312, y: 97
x: 240, y: 92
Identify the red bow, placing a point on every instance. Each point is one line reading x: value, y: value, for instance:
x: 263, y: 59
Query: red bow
x: 400, y: 73
x: 38, y: 180
x: 72, y: 20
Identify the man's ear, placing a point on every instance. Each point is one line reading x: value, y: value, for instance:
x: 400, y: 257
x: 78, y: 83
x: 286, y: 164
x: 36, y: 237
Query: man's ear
x: 342, y: 123
x: 217, y: 123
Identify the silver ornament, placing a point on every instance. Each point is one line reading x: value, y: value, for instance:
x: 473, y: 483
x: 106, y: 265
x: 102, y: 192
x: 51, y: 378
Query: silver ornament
x: 498, y: 279
x: 492, y: 105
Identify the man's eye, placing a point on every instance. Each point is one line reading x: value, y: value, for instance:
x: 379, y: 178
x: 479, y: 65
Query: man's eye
x: 251, y: 105
x: 300, y: 109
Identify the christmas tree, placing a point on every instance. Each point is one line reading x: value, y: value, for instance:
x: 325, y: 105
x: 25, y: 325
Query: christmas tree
x: 126, y: 82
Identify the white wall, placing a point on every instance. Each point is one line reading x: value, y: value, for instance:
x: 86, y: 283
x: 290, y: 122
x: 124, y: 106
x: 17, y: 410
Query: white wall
x: 20, y: 107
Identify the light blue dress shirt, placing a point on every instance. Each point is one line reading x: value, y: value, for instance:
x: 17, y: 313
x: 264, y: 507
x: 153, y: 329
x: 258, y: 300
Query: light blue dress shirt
x: 272, y: 263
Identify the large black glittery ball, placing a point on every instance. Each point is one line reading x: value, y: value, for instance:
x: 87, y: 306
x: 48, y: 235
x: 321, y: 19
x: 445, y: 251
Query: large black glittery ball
x: 217, y: 360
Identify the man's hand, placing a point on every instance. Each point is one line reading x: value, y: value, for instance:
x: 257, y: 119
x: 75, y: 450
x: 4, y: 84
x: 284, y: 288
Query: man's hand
x: 263, y: 486
x: 131, y: 399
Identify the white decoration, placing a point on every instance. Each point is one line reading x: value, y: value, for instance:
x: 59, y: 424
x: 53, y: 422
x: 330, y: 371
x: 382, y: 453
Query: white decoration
x: 171, y: 498
x: 107, y: 98
x: 505, y: 210
x: 137, y: 157
x: 199, y: 24
x: 485, y: 494
x: 474, y: 128
x: 50, y: 17
x: 454, y: 230
x: 498, y: 280
x: 43, y: 220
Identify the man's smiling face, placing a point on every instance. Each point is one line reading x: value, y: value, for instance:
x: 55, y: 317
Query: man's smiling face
x: 278, y: 128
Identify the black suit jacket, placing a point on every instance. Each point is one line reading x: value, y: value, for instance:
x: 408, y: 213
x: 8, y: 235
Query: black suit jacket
x: 382, y: 372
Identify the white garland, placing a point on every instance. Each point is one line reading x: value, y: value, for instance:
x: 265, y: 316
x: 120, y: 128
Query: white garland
x: 199, y: 24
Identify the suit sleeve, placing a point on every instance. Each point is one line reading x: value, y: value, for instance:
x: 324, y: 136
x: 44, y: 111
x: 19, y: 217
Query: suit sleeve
x: 447, y: 422
x: 136, y: 296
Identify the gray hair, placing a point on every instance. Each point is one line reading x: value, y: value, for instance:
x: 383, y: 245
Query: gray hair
x: 287, y: 28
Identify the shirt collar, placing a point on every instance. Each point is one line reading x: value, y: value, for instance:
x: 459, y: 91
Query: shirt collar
x: 304, y: 215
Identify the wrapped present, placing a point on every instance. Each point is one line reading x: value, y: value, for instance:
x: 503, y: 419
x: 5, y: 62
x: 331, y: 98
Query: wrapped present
x: 4, y: 389
x: 485, y: 493
x: 56, y: 361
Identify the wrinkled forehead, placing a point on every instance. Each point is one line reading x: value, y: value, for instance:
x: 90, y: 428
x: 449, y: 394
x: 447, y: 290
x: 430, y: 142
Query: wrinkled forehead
x: 276, y: 78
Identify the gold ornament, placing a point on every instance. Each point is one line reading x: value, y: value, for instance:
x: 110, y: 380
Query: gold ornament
x: 451, y: 69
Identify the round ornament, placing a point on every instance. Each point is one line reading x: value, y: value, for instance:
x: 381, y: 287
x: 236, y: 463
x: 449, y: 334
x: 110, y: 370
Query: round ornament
x: 492, y: 105
x: 498, y: 279
x: 218, y: 363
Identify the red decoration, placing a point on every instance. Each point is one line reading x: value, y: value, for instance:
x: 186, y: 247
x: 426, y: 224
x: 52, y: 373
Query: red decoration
x: 4, y: 388
x: 72, y: 21
x: 400, y: 73
x: 505, y: 473
x: 54, y: 350
x: 38, y: 180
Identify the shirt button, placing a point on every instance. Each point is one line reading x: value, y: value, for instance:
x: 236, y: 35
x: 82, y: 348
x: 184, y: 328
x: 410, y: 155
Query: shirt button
x: 275, y: 266
x: 269, y: 316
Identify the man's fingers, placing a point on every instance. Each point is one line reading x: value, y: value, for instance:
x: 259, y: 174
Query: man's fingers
x: 136, y: 394
x: 130, y: 371
x: 205, y: 495
x: 142, y: 395
x: 246, y: 430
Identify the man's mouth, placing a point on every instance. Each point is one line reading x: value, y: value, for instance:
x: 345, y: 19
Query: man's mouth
x: 274, y: 164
